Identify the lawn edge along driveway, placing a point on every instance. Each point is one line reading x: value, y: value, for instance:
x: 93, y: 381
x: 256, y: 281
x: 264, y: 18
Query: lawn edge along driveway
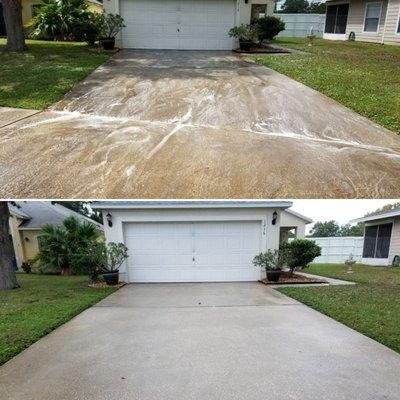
x: 39, y: 306
x: 371, y: 307
x: 40, y: 76
x: 361, y: 76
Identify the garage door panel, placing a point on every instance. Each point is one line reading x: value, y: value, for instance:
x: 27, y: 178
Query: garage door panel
x: 177, y: 24
x: 192, y: 252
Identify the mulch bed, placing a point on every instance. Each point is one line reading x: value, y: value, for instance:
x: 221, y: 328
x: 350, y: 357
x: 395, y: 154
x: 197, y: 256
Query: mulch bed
x: 266, y: 48
x: 294, y: 279
x: 99, y: 285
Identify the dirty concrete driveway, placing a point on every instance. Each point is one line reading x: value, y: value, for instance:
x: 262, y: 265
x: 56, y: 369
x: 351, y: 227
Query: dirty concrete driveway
x: 202, y: 341
x: 184, y: 124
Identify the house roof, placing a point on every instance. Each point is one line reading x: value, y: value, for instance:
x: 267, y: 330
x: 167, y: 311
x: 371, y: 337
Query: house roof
x: 36, y: 214
x: 298, y: 215
x: 379, y: 215
x: 152, y: 204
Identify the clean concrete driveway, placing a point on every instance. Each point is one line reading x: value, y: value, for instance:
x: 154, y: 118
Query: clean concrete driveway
x: 176, y: 124
x: 202, y: 341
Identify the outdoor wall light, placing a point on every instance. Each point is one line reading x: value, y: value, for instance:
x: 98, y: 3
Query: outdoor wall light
x: 109, y: 219
x: 274, y: 217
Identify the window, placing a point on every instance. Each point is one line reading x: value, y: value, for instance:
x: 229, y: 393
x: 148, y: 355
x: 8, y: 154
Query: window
x: 372, y: 16
x: 336, y: 18
x: 377, y: 241
x: 258, y: 11
x: 40, y: 242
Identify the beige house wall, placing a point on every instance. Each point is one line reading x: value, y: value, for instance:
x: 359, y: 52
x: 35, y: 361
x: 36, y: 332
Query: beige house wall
x: 392, y: 20
x: 26, y: 245
x: 395, y: 241
x: 355, y: 21
x: 389, y: 18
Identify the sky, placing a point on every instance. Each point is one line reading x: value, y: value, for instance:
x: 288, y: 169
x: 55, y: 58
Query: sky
x: 341, y: 211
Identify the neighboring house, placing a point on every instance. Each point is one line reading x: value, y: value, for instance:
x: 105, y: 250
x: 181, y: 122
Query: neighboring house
x: 184, y: 24
x: 371, y: 21
x: 381, y: 237
x: 31, y: 7
x: 27, y: 219
x: 197, y: 241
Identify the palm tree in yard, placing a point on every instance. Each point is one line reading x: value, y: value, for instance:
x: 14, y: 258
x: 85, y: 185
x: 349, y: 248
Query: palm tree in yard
x: 8, y: 279
x: 63, y: 245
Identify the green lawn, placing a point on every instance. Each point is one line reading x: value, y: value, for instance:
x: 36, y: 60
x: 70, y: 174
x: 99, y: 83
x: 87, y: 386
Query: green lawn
x: 371, y: 307
x: 362, y: 76
x: 42, y: 75
x: 41, y: 304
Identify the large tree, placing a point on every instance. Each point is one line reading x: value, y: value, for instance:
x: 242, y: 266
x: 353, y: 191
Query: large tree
x: 12, y: 12
x: 83, y: 207
x: 325, y: 229
x: 8, y: 279
x: 295, y: 7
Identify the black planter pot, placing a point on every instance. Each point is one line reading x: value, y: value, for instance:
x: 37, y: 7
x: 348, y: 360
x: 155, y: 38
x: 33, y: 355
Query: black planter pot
x: 245, y: 46
x: 111, y: 278
x: 108, y: 43
x: 274, y: 276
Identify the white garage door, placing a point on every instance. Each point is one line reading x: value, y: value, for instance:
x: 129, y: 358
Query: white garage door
x: 192, y: 252
x: 177, y: 24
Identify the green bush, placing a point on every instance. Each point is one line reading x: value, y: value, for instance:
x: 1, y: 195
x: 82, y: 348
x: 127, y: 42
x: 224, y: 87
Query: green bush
x: 268, y: 27
x: 112, y: 24
x: 66, y: 20
x: 67, y: 248
x: 271, y: 260
x: 245, y: 33
x: 301, y: 252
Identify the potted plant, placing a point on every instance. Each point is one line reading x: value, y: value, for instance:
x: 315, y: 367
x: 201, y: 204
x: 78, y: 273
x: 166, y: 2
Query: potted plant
x: 114, y: 255
x: 112, y: 24
x: 245, y: 34
x: 273, y: 262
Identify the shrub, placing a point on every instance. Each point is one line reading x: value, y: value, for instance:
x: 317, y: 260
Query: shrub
x: 271, y: 260
x: 301, y: 253
x: 26, y: 267
x: 65, y: 20
x: 64, y: 247
x: 115, y: 255
x: 268, y: 27
x: 113, y: 23
x: 245, y: 33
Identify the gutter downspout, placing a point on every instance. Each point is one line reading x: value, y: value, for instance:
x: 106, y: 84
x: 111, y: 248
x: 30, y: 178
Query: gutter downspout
x: 384, y: 28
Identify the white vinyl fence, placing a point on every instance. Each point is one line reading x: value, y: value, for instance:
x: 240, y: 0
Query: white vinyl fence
x: 338, y: 249
x: 299, y: 25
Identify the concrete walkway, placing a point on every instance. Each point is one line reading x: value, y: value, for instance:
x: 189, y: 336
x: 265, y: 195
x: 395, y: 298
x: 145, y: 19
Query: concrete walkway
x: 173, y: 124
x: 10, y: 116
x: 202, y: 341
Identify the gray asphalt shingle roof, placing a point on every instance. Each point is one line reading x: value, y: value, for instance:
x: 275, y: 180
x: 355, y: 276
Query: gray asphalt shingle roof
x: 36, y: 214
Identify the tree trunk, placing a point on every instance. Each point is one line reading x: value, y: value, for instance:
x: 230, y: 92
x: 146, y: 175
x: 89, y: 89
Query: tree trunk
x: 12, y: 12
x: 8, y: 279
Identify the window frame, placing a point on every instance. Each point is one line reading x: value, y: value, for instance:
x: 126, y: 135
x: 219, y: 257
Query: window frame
x: 341, y: 3
x: 377, y: 225
x: 379, y: 18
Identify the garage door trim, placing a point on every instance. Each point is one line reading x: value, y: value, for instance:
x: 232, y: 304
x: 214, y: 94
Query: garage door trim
x: 259, y: 232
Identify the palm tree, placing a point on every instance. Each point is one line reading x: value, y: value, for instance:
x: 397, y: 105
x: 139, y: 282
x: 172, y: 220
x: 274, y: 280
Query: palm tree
x: 62, y: 245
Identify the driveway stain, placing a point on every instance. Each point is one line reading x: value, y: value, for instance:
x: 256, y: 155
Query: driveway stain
x: 185, y: 124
